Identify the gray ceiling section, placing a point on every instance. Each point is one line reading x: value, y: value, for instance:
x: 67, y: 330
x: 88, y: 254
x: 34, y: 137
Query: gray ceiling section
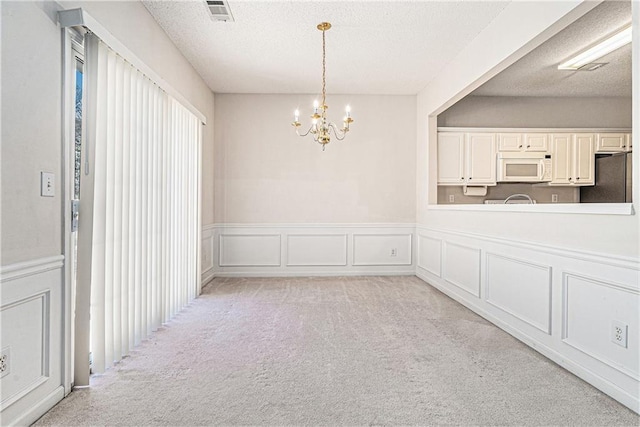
x: 536, y: 74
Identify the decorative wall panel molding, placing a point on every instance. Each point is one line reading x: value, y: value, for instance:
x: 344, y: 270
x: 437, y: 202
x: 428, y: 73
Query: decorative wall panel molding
x: 249, y: 250
x: 534, y: 293
x: 317, y: 250
x: 430, y: 254
x: 206, y: 255
x: 382, y: 249
x: 590, y: 306
x: 312, y: 249
x: 29, y: 345
x: 520, y: 288
x: 31, y: 317
x: 462, y: 267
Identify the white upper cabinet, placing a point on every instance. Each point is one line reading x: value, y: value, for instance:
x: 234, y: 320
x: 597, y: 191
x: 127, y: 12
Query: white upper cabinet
x: 531, y: 142
x: 584, y: 159
x: 611, y: 142
x: 561, y: 159
x: 536, y: 142
x: 451, y: 158
x: 510, y: 142
x: 572, y: 157
x: 466, y: 158
x: 481, y: 158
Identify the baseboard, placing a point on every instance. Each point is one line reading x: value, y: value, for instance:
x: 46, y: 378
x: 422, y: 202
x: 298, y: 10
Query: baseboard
x: 310, y: 273
x: 35, y: 412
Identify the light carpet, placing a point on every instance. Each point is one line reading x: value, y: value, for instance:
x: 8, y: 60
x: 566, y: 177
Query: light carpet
x: 334, y: 351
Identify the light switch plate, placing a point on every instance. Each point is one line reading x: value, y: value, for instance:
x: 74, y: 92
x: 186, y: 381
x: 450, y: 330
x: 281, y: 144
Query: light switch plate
x: 47, y: 184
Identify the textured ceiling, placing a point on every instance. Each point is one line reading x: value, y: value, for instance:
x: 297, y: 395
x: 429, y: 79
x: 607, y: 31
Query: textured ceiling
x: 374, y: 47
x: 537, y: 73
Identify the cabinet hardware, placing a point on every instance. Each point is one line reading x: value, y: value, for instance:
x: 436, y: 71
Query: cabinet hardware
x: 519, y: 146
x: 528, y: 146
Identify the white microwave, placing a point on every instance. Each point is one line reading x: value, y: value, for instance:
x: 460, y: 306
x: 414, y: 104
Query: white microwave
x: 524, y: 167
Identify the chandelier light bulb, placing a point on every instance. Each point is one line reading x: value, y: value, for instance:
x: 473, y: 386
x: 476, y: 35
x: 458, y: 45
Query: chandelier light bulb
x: 297, y: 115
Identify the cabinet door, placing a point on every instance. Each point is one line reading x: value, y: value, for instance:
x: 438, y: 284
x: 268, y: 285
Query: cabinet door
x: 451, y: 158
x: 584, y: 159
x: 509, y: 141
x: 481, y: 158
x: 628, y: 138
x: 561, y: 159
x: 536, y: 142
x: 611, y: 142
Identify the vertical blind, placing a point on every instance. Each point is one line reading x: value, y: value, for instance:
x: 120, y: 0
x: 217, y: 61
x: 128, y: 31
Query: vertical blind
x: 145, y: 204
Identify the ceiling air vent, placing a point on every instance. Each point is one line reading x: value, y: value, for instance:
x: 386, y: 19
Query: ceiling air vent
x: 219, y: 10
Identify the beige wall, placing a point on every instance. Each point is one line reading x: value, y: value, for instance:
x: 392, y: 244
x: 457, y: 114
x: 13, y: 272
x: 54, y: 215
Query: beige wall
x: 31, y: 112
x: 538, y: 111
x: 264, y: 173
x: 489, y: 53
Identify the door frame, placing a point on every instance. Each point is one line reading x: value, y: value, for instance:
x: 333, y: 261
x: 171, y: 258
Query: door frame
x: 72, y: 50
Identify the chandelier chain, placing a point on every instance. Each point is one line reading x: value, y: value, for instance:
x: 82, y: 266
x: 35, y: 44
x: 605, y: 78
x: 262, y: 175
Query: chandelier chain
x: 324, y: 63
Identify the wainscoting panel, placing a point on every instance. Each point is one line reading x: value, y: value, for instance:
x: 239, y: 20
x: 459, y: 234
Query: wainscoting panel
x: 591, y: 306
x: 382, y: 249
x: 27, y: 345
x: 207, y: 254
x: 430, y: 254
x: 563, y: 303
x: 520, y: 288
x: 249, y: 250
x: 31, y: 333
x: 316, y: 250
x: 462, y: 267
x: 312, y: 249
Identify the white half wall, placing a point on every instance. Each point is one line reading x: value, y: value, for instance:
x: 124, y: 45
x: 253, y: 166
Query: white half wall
x: 266, y: 174
x: 562, y: 303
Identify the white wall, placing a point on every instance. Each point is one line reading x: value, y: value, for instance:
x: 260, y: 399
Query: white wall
x: 538, y: 111
x: 31, y: 112
x: 570, y: 276
x: 488, y: 54
x: 264, y: 173
x: 31, y: 277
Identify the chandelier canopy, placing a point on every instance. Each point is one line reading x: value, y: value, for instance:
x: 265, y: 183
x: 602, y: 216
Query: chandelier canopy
x: 321, y: 128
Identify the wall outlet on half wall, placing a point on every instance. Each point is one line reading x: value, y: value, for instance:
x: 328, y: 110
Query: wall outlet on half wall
x: 5, y: 359
x: 619, y: 333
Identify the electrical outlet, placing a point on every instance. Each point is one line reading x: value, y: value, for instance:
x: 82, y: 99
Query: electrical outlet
x: 452, y: 198
x: 619, y: 333
x: 5, y: 365
x: 554, y: 198
x: 394, y: 252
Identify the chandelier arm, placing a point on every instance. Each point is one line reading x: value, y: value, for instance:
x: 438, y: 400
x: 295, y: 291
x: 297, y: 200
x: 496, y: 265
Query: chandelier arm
x: 306, y: 133
x: 339, y: 134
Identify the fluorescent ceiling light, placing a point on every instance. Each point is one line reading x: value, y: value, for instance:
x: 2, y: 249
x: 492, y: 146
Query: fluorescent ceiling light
x: 614, y: 42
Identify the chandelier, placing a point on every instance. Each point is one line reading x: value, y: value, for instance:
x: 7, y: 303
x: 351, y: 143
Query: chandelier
x: 321, y: 128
